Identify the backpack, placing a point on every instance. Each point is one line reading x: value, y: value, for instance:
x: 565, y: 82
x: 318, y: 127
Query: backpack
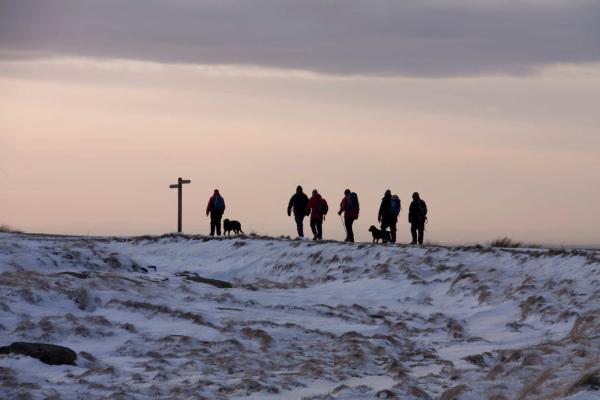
x: 422, y: 210
x: 322, y: 208
x: 218, y: 203
x: 395, y: 206
x: 352, y: 203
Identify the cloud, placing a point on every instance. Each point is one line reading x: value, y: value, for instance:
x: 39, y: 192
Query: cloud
x: 376, y: 37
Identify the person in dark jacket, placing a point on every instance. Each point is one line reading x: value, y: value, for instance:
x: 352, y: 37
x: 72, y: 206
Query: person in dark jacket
x: 299, y: 204
x: 350, y: 207
x: 216, y: 208
x: 317, y: 206
x: 417, y: 216
x: 386, y: 217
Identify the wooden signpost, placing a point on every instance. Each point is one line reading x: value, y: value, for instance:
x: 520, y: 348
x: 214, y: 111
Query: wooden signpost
x: 179, y: 187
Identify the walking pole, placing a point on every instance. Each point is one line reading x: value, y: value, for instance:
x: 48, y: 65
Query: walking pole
x: 344, y: 225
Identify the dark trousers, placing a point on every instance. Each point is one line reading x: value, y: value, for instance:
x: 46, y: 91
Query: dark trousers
x: 348, y: 221
x: 299, y: 224
x: 417, y: 230
x: 215, y: 223
x: 391, y: 223
x: 316, y: 226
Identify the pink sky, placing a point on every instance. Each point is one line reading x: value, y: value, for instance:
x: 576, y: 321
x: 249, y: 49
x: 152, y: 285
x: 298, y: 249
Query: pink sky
x: 90, y: 146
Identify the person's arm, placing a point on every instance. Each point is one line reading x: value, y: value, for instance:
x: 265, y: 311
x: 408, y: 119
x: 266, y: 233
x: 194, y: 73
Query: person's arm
x: 425, y: 208
x: 209, y: 205
x: 342, y: 206
x: 290, y: 205
x: 380, y: 214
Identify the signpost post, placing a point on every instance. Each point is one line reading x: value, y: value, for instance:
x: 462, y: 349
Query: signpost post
x: 179, y: 187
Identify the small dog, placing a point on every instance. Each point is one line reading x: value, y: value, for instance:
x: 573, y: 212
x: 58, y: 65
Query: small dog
x: 378, y: 234
x: 234, y: 226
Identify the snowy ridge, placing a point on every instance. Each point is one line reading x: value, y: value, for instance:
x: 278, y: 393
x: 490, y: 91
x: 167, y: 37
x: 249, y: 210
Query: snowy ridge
x: 321, y: 320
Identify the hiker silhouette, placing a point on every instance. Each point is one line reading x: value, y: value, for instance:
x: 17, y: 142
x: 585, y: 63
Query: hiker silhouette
x: 216, y: 208
x: 317, y: 207
x: 417, y: 216
x: 350, y: 207
x: 388, y: 213
x: 299, y: 204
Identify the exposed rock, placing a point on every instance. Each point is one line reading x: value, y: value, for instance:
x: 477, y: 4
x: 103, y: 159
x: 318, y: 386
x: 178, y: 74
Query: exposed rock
x: 192, y: 276
x: 47, y: 353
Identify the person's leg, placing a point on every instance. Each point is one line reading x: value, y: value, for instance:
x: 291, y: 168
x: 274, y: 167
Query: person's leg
x: 413, y: 232
x: 320, y: 228
x: 350, y: 233
x: 421, y: 232
x: 299, y: 225
x: 218, y: 223
x: 393, y: 230
x: 384, y: 225
x: 313, y: 227
x: 212, y: 224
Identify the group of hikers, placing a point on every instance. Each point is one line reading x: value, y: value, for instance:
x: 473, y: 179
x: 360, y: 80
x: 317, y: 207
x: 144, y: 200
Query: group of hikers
x: 316, y: 208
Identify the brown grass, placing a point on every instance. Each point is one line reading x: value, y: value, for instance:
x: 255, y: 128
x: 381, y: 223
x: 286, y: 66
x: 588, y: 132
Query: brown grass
x: 160, y: 309
x: 506, y: 242
x: 533, y: 387
x: 4, y: 228
x: 587, y: 380
x: 454, y: 392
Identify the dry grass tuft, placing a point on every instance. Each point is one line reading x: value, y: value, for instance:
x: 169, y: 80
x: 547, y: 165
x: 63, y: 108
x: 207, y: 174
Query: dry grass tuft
x: 263, y: 337
x: 506, y: 242
x: 160, y: 309
x: 533, y: 387
x: 4, y: 228
x: 531, y: 304
x: 454, y: 392
x: 586, y: 381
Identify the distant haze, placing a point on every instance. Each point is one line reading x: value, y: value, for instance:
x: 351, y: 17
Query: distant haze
x: 490, y: 112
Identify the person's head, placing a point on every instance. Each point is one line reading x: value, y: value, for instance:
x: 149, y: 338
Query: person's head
x: 416, y: 196
x: 347, y: 192
x: 388, y: 193
x: 315, y: 192
x: 299, y: 189
x: 216, y: 191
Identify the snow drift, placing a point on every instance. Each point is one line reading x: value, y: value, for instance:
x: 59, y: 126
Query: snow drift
x: 322, y: 320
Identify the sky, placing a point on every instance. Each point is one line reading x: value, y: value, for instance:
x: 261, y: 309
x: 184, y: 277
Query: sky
x: 489, y: 109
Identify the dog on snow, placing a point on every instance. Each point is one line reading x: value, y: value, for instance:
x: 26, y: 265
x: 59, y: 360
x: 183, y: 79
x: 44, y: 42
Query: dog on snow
x: 378, y: 235
x: 234, y: 226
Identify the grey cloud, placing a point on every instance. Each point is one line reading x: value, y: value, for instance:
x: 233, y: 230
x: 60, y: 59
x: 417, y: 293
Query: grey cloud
x: 375, y: 37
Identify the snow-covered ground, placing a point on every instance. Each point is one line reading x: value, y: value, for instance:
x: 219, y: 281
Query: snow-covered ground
x: 310, y: 320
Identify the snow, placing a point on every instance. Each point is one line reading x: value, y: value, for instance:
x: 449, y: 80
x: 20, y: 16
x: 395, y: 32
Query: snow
x: 303, y: 319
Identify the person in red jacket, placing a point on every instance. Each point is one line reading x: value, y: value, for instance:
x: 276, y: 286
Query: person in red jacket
x: 317, y: 206
x: 216, y: 208
x: 350, y: 207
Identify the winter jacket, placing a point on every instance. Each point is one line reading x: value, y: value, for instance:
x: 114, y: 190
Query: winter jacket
x: 210, y: 207
x: 417, y: 213
x: 348, y: 213
x: 299, y: 203
x: 313, y: 206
